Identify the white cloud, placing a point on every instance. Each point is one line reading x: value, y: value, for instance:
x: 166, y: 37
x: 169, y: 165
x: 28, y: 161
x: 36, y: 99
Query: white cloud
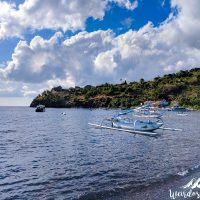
x: 27, y: 92
x: 43, y: 60
x: 104, y: 63
x: 67, y: 82
x: 8, y: 89
x: 51, y: 14
x: 100, y: 56
x: 126, y: 3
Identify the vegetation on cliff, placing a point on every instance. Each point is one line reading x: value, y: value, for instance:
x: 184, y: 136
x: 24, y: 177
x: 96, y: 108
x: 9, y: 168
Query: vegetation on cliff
x: 184, y: 87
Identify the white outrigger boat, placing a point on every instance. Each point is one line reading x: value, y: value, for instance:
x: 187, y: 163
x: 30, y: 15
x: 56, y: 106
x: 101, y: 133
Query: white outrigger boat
x: 147, y: 111
x: 137, y: 125
x: 124, y: 130
x: 128, y: 124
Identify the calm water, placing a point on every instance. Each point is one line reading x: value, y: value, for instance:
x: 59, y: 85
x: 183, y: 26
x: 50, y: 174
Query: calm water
x: 54, y: 156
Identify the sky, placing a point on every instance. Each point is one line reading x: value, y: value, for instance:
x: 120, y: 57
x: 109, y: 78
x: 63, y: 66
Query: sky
x: 48, y: 43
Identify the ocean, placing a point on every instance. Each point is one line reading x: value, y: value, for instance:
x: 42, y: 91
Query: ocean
x: 54, y: 156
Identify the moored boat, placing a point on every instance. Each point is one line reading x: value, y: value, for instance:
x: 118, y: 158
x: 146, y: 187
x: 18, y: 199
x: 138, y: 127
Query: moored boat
x: 138, y: 125
x: 123, y: 121
x: 40, y: 108
x: 148, y: 111
x: 178, y: 109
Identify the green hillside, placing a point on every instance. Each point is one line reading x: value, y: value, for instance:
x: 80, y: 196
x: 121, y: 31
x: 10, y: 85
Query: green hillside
x: 183, y: 87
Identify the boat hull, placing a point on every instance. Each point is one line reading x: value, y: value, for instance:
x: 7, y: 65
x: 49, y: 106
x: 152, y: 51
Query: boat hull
x: 179, y: 109
x: 137, y: 125
x: 40, y: 108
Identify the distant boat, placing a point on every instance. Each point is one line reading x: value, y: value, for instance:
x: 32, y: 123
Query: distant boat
x: 163, y: 103
x: 148, y: 111
x: 40, y: 108
x: 178, y: 109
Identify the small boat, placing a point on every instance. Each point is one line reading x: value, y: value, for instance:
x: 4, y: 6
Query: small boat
x: 40, y: 108
x: 178, y: 109
x: 138, y: 125
x: 148, y: 112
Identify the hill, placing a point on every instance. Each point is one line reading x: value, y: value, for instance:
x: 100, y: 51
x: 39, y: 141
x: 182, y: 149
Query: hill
x: 184, y: 87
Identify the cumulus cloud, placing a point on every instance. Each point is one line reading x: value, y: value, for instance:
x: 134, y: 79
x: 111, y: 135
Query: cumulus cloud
x: 104, y: 62
x: 50, y: 14
x: 100, y: 56
x: 71, y: 61
x: 30, y: 63
x: 68, y: 81
x: 153, y: 51
x: 20, y: 89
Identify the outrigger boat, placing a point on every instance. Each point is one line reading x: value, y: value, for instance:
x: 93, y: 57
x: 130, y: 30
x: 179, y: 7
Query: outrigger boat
x: 148, y: 112
x: 137, y: 125
x: 128, y: 124
x: 152, y: 134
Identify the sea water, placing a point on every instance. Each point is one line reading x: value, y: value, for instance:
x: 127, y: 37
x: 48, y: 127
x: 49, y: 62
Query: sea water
x: 52, y: 155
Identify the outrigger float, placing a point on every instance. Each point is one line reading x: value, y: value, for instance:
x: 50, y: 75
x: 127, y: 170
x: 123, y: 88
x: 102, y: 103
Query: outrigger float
x: 124, y: 130
x: 121, y: 122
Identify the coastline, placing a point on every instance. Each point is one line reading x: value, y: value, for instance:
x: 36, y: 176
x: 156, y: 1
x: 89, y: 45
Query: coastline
x: 180, y: 89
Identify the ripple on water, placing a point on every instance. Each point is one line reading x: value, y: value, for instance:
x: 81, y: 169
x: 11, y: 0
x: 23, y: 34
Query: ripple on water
x: 8, y: 131
x: 46, y: 156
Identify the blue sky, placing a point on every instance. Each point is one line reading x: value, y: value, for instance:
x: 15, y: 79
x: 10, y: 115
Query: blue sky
x: 154, y: 11
x: 116, y: 18
x: 77, y: 42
